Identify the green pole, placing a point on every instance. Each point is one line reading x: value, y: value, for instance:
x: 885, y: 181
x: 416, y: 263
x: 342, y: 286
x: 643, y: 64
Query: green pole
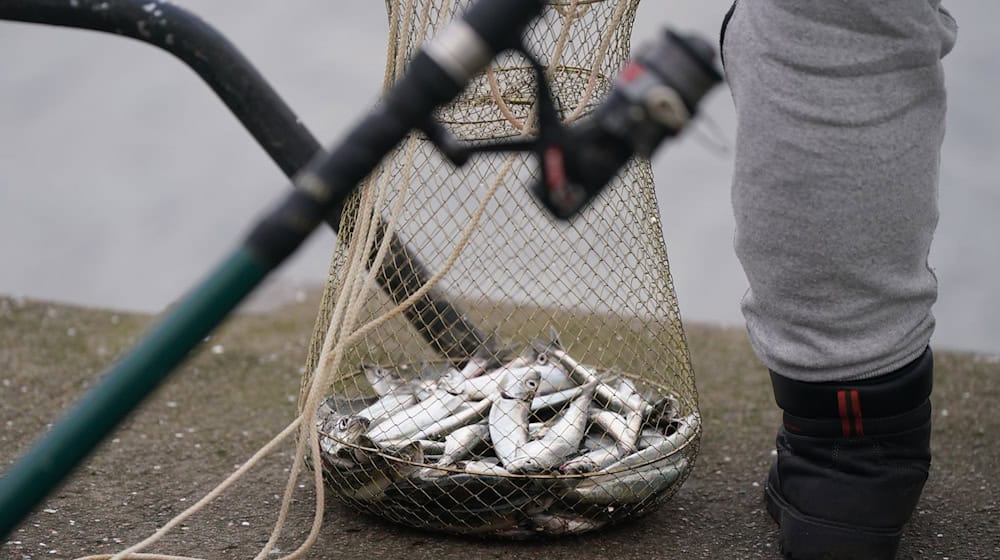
x: 126, y: 384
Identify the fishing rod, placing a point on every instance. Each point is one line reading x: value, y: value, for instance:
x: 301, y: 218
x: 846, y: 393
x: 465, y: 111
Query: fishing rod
x: 437, y: 74
x: 652, y: 100
x: 271, y: 122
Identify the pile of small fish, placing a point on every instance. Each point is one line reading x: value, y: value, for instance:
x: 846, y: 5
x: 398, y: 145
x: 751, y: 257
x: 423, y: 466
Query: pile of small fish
x: 449, y: 450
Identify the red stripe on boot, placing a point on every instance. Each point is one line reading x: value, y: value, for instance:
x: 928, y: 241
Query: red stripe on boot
x: 859, y: 428
x: 845, y: 420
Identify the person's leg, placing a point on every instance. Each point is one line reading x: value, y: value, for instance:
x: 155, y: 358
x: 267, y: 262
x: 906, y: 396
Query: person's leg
x: 840, y: 109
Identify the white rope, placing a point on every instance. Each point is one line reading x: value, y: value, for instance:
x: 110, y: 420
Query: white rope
x: 359, y: 283
x: 332, y: 353
x: 197, y: 506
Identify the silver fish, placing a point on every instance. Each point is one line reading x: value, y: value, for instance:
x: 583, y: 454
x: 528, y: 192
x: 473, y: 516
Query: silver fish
x: 563, y: 524
x: 630, y: 486
x: 531, y: 356
x: 627, y: 388
x: 650, y: 437
x: 429, y: 447
x: 464, y: 441
x: 536, y: 430
x: 434, y: 471
x: 326, y: 424
x: 611, y: 398
x: 426, y: 473
x: 388, y: 405
x: 369, y: 479
x: 553, y: 378
x: 534, y: 353
x: 452, y: 382
x: 686, y: 430
x: 613, y: 424
x: 382, y: 380
x: 509, y: 414
x: 467, y: 414
x: 453, y: 379
x: 633, y: 419
x: 423, y: 389
x: 476, y: 366
x: 664, y: 411
x: 560, y: 441
x: 598, y: 439
x: 484, y: 468
x: 592, y: 460
x: 554, y: 400
x: 624, y: 429
x: 347, y: 431
x: 413, y: 419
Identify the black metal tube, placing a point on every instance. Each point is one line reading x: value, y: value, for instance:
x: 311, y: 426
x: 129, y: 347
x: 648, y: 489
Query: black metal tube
x: 268, y: 119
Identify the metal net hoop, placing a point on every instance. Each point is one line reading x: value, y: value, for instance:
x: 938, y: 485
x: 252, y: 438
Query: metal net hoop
x: 602, y: 282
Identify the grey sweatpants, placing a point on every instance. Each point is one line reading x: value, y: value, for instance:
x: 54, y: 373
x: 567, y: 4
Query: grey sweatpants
x: 840, y: 117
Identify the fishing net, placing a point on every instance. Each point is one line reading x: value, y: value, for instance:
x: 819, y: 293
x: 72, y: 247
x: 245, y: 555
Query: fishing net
x: 539, y: 381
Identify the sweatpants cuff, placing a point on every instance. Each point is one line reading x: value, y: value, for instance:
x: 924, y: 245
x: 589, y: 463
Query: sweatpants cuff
x: 886, y: 395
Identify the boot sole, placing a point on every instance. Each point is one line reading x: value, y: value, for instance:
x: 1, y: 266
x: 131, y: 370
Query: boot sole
x: 804, y: 537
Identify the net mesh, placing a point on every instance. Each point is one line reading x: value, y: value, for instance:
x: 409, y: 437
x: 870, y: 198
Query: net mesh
x: 579, y: 408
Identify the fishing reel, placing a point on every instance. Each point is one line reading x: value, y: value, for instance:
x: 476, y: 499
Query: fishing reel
x: 652, y: 99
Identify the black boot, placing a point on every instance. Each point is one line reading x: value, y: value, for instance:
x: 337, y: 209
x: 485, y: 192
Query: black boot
x: 852, y: 460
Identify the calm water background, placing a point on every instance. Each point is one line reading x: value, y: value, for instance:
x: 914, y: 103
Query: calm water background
x: 123, y: 179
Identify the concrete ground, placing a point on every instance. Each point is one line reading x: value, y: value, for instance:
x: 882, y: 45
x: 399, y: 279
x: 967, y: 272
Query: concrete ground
x: 240, y: 390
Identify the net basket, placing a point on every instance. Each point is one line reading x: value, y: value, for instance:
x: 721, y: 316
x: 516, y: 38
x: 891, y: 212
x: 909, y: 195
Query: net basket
x: 543, y: 384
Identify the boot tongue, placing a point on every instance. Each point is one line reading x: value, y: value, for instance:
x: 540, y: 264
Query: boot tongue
x: 886, y: 395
